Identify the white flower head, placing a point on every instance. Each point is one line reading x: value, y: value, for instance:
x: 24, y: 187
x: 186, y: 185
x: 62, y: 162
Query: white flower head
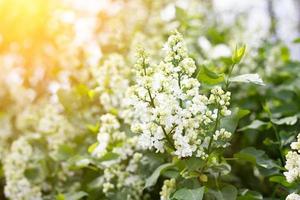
x: 293, y: 162
x: 167, y: 107
x: 293, y: 196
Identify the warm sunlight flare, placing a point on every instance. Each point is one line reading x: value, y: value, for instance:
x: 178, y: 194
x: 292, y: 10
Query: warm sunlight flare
x: 24, y: 21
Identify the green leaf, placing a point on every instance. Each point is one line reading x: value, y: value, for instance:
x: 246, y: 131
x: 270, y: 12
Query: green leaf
x: 94, y: 128
x: 181, y: 14
x: 193, y: 163
x: 84, y: 162
x: 155, y: 175
x: 66, y: 98
x: 64, y: 152
x: 189, y: 172
x: 82, y: 90
x: 221, y: 168
x: 91, y: 94
x: 75, y: 195
x: 96, y: 183
x: 287, y: 137
x: 92, y: 147
x: 256, y: 157
x: 256, y: 124
x: 171, y: 173
x: 297, y: 40
x: 247, y: 78
x: 1, y: 171
x: 205, y: 75
x: 80, y: 161
x: 34, y: 174
x: 38, y: 172
x: 189, y: 194
x: 281, y: 180
x: 228, y: 192
x: 246, y: 194
x: 109, y: 156
x: 60, y: 197
x: 292, y: 120
x: 230, y: 123
x: 238, y: 54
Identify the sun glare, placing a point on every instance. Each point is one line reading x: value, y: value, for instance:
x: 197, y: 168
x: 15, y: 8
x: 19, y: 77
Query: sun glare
x: 23, y: 21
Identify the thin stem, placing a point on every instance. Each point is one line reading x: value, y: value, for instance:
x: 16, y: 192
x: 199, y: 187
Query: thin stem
x: 273, y: 20
x: 148, y: 90
x: 216, y: 181
x: 218, y: 115
x: 179, y: 84
x: 162, y: 127
x: 278, y: 138
x: 227, y: 83
x: 228, y: 77
x: 168, y: 138
x: 151, y: 98
x: 275, y: 190
x: 214, y: 130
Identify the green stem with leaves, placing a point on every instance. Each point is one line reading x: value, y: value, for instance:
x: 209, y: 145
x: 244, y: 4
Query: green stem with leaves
x: 227, y: 83
x: 278, y: 138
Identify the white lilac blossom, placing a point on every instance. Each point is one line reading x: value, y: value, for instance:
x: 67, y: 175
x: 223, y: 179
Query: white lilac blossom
x: 49, y: 122
x: 47, y: 127
x: 121, y: 175
x: 121, y: 172
x: 108, y: 134
x: 18, y: 187
x: 112, y: 79
x: 168, y: 188
x: 293, y: 166
x: 293, y: 162
x: 222, y: 137
x: 111, y: 139
x: 293, y: 196
x: 168, y: 110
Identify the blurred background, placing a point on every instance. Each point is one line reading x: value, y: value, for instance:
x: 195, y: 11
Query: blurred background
x: 29, y: 23
x: 32, y: 27
x: 38, y: 38
x: 44, y: 35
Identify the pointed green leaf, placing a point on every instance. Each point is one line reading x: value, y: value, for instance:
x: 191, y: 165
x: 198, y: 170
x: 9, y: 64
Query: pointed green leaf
x: 238, y: 54
x: 256, y: 124
x: 155, y: 175
x: 205, y: 75
x: 230, y: 123
x: 189, y: 194
x: 256, y: 157
x: 248, y: 78
x: 292, y: 120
